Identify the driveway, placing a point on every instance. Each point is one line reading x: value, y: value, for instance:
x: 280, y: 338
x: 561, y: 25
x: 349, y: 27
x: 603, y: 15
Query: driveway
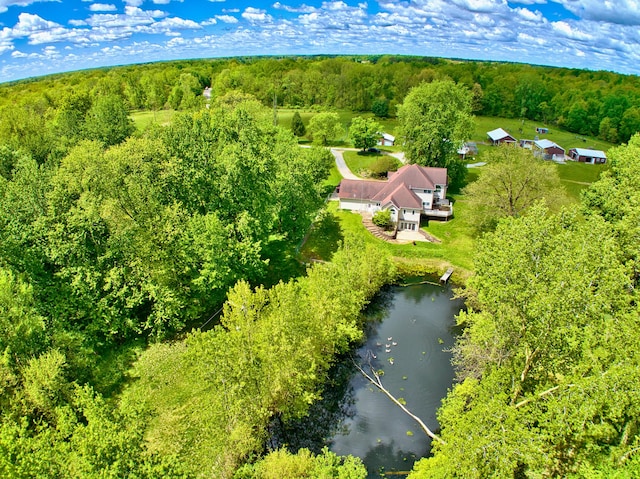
x: 342, y: 165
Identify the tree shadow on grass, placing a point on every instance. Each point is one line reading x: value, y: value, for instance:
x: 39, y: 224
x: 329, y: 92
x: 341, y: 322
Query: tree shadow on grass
x: 324, y: 238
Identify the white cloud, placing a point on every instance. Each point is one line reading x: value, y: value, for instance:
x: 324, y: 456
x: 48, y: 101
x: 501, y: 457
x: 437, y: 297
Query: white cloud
x: 256, y: 15
x: 301, y: 9
x: 5, y: 4
x: 227, y: 18
x: 29, y: 24
x: 622, y: 12
x: 530, y: 16
x: 102, y: 7
x: 209, y: 21
x: 6, y: 47
x: 481, y: 6
x: 568, y: 31
x: 132, y: 17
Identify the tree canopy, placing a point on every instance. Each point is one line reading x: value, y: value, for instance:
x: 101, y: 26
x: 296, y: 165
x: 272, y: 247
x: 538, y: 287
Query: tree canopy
x: 435, y: 120
x: 363, y: 132
x: 511, y: 182
x: 325, y: 127
x: 548, y: 361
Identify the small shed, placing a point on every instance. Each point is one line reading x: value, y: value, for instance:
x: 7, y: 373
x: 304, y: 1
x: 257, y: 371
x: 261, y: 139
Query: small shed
x: 548, y: 150
x: 542, y: 130
x: 527, y: 144
x: 500, y: 136
x: 468, y: 149
x: 386, y: 139
x: 585, y: 155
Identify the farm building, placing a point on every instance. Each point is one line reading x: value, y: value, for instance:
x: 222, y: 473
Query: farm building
x: 386, y: 139
x: 586, y: 155
x: 499, y: 136
x: 548, y: 150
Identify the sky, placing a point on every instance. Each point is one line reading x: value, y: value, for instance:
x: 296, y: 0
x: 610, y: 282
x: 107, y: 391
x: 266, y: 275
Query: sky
x: 39, y: 37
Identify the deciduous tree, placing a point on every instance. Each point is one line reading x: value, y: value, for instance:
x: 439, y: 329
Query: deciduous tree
x: 363, y: 132
x: 511, y: 182
x: 325, y: 127
x: 435, y: 119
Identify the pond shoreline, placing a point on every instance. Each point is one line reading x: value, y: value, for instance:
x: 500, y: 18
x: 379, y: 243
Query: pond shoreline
x: 409, y: 331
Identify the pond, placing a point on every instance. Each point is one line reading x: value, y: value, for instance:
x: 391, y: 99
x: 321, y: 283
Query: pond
x: 410, y: 342
x: 410, y: 331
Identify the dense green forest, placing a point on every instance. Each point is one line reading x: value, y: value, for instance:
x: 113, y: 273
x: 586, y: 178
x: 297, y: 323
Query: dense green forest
x: 117, y: 244
x: 41, y: 111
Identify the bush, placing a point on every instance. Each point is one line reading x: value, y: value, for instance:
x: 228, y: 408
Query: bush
x: 382, y: 219
x: 382, y: 165
x: 380, y: 108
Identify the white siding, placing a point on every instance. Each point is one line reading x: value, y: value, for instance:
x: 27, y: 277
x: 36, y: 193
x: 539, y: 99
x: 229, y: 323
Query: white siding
x: 353, y: 205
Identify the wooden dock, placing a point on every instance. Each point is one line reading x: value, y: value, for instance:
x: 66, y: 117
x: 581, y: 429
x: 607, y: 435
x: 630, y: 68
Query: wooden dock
x: 445, y: 277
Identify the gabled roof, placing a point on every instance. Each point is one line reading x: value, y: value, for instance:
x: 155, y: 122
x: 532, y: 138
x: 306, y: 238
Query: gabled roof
x: 360, y: 189
x: 590, y: 153
x: 499, y: 134
x: 544, y: 144
x: 398, y: 189
x: 388, y: 137
x: 402, y: 197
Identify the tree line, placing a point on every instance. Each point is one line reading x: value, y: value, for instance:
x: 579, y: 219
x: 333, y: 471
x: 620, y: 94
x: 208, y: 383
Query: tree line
x: 600, y: 103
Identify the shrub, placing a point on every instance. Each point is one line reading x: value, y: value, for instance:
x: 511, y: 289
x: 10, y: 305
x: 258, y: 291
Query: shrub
x: 382, y: 165
x: 382, y: 219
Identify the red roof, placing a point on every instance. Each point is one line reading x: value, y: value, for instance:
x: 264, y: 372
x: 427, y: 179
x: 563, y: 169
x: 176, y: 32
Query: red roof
x: 398, y: 188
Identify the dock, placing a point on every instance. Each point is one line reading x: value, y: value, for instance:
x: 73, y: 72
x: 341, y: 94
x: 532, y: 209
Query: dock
x: 445, y: 277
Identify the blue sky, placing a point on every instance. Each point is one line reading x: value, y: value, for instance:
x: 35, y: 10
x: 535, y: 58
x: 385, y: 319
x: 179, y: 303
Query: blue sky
x: 47, y: 36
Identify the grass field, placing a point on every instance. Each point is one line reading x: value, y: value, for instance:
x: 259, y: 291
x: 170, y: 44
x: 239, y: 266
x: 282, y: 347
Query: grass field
x: 143, y: 119
x: 527, y: 130
x: 388, y: 125
x: 456, y: 248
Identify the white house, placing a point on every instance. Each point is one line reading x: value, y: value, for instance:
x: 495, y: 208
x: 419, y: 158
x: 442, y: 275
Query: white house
x: 386, y: 139
x: 408, y: 193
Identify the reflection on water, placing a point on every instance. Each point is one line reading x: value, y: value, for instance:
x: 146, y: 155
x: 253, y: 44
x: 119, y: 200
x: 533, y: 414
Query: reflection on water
x: 409, y: 332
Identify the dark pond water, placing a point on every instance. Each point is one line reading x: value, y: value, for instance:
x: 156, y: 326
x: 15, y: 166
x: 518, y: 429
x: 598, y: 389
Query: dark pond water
x: 409, y: 332
x: 410, y: 343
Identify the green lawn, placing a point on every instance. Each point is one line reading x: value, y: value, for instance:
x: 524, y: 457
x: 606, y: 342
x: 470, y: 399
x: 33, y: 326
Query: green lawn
x: 359, y: 162
x: 143, y: 119
x: 388, y: 125
x: 527, y: 130
x: 456, y: 248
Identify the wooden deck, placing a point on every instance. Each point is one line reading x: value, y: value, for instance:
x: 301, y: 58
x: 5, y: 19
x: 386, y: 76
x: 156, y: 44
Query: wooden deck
x: 445, y: 277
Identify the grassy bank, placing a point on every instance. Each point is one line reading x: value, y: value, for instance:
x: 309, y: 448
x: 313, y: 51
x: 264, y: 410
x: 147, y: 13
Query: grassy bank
x: 456, y: 247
